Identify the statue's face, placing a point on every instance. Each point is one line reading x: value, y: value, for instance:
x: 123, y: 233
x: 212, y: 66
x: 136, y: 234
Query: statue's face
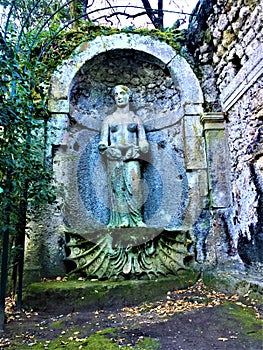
x: 121, y: 96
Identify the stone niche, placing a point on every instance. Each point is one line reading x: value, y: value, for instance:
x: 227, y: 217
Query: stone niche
x: 167, y: 97
x: 156, y: 100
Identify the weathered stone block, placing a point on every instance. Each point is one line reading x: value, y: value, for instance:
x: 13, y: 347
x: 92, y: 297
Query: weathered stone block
x: 141, y: 43
x: 194, y: 110
x: 192, y: 126
x: 194, y: 143
x: 100, y: 295
x: 181, y: 72
x: 198, y: 192
x: 195, y: 153
x: 218, y: 168
x: 228, y: 38
x: 222, y: 21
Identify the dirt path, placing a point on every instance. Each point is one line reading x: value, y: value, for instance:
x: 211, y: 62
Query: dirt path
x: 195, y: 319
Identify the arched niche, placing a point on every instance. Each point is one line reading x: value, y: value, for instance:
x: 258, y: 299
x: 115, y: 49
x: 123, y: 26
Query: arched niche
x: 174, y: 132
x: 180, y: 70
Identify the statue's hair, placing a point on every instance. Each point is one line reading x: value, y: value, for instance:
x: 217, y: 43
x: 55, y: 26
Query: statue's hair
x: 123, y: 87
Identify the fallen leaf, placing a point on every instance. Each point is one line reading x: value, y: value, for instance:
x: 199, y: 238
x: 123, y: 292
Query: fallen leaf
x: 222, y: 339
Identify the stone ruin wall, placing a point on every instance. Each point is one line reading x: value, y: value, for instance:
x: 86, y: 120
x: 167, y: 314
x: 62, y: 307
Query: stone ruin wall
x: 225, y: 40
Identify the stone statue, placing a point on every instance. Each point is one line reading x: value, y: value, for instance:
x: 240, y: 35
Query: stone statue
x: 123, y: 140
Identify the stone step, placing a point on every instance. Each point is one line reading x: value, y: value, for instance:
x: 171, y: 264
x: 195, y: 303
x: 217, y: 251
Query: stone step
x: 69, y: 296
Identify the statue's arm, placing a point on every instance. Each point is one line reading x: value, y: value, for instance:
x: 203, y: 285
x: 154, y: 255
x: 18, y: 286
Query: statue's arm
x: 142, y: 141
x: 104, y: 136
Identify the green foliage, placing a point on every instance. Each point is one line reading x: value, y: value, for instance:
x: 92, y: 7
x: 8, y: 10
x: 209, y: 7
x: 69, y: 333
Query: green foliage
x: 22, y: 140
x: 25, y: 177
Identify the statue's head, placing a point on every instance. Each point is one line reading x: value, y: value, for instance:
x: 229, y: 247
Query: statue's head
x: 121, y: 94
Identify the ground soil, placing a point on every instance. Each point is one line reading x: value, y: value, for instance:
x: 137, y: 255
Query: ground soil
x: 189, y: 319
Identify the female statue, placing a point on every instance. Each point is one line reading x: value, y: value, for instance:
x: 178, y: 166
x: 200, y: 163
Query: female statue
x: 122, y: 141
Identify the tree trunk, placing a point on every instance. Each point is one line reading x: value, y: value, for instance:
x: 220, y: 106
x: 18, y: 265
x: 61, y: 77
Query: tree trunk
x: 157, y: 21
x: 5, y: 250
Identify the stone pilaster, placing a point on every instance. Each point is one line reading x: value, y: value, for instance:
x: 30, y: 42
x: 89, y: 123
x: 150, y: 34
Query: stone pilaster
x: 195, y: 157
x: 195, y: 160
x: 217, y: 159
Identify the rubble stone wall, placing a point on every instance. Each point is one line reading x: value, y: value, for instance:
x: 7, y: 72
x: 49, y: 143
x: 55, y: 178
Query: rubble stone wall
x: 225, y: 39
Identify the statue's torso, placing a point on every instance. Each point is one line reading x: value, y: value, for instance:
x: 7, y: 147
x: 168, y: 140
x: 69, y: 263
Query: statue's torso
x: 123, y: 129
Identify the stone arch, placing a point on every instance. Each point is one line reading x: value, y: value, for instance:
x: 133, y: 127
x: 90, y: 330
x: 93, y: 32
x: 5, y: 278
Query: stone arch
x: 180, y: 70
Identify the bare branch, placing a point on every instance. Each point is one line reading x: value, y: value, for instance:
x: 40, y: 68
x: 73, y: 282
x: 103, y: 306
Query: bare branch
x: 86, y: 5
x: 137, y: 7
x: 116, y: 13
x: 124, y: 13
x: 112, y: 8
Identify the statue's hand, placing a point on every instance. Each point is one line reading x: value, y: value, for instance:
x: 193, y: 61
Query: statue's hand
x: 132, y: 153
x: 113, y: 153
x: 144, y: 146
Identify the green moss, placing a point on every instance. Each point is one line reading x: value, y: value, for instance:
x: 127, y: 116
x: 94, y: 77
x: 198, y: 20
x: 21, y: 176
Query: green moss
x: 98, y: 341
x: 99, y: 294
x: 109, y: 331
x: 246, y: 317
x: 57, y: 324
x: 103, y: 339
x: 147, y: 344
x: 207, y: 36
x: 63, y: 46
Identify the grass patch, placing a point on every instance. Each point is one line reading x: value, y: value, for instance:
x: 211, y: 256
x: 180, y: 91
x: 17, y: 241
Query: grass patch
x: 57, y: 324
x: 246, y: 317
x: 103, y: 339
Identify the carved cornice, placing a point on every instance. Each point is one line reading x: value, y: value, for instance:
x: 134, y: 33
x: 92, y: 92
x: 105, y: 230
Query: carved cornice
x: 245, y: 78
x: 213, y: 121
